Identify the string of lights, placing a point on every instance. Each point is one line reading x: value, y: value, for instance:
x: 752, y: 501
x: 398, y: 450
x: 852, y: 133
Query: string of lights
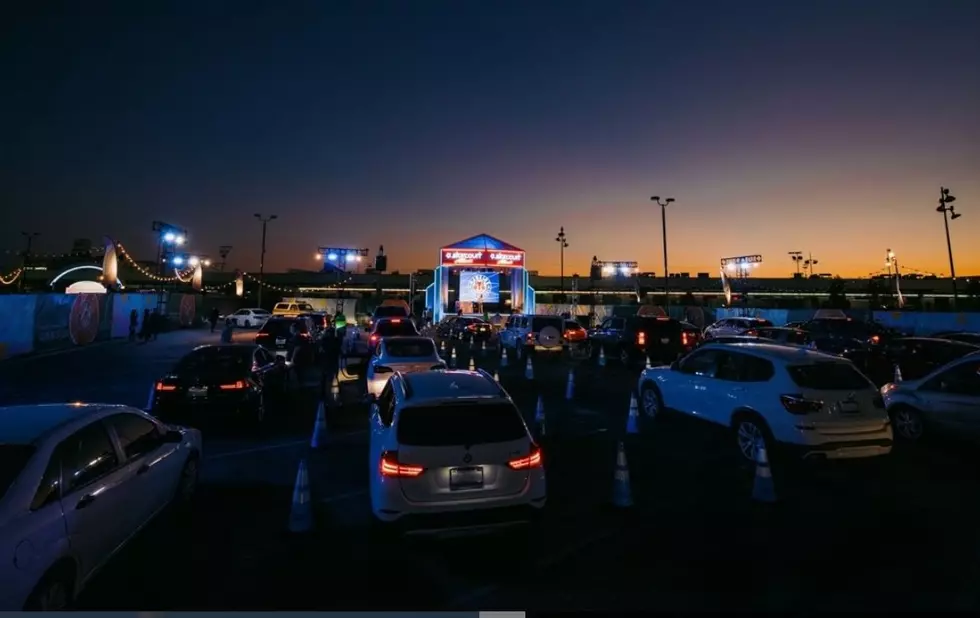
x: 12, y: 277
x: 144, y: 271
x: 284, y: 290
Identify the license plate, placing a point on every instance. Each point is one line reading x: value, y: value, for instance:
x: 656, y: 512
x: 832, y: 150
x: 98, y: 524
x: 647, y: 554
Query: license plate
x: 665, y: 340
x: 466, y: 478
x: 281, y: 353
x: 195, y: 392
x: 280, y: 342
x: 849, y: 407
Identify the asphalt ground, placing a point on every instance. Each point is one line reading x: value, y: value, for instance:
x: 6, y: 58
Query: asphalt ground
x: 894, y: 533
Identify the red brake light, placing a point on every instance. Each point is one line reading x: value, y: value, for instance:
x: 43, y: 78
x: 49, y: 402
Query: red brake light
x: 374, y: 338
x: 533, y: 460
x: 396, y: 321
x: 641, y: 338
x: 234, y: 386
x: 471, y: 327
x: 530, y: 337
x: 165, y: 387
x: 875, y: 339
x: 684, y: 336
x: 798, y: 404
x: 391, y: 467
x: 751, y: 333
x: 262, y: 335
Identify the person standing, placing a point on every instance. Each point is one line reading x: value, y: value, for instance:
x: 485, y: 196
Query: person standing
x: 134, y: 321
x: 146, y: 326
x: 214, y: 318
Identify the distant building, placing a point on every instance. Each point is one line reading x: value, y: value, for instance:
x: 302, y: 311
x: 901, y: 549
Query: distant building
x: 82, y: 247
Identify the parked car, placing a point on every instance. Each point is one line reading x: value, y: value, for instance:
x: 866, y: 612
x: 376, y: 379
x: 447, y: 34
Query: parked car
x: 800, y: 400
x: 250, y: 318
x: 221, y: 386
x: 636, y: 339
x: 945, y: 401
x: 277, y: 337
x: 292, y: 309
x: 468, y: 329
x: 451, y: 448
x: 390, y: 327
x: 965, y: 337
x: 77, y: 482
x: 401, y: 355
x: 533, y: 334
x: 915, y: 357
x: 736, y: 326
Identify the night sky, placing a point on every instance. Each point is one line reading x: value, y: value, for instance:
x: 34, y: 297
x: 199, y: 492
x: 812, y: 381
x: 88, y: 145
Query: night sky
x: 824, y: 127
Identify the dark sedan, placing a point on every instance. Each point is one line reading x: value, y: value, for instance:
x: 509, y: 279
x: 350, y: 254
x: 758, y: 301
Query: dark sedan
x: 964, y: 337
x: 915, y: 357
x: 227, y: 383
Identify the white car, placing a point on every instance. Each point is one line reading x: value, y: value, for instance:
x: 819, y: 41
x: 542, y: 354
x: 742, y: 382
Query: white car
x: 945, y: 401
x: 736, y: 326
x: 450, y: 448
x: 78, y: 481
x: 403, y: 355
x: 250, y: 318
x: 818, y: 405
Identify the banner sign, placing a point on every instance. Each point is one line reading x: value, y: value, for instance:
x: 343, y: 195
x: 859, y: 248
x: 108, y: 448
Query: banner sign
x: 482, y: 258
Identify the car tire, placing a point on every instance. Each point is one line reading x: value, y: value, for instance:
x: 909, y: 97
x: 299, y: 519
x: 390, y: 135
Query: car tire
x: 907, y: 423
x: 187, y: 483
x: 53, y: 592
x: 651, y: 406
x: 746, y: 428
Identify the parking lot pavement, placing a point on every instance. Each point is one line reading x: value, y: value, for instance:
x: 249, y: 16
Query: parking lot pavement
x: 896, y: 532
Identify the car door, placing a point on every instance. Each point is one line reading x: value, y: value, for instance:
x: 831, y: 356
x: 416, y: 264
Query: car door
x: 953, y: 398
x: 155, y: 465
x: 97, y: 496
x: 269, y: 372
x: 695, y: 381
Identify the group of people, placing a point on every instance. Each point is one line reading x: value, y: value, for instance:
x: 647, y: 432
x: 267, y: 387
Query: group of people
x: 147, y: 329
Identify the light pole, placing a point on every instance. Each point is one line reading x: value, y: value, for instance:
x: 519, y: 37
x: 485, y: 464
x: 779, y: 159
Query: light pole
x: 946, y: 206
x: 562, y: 245
x: 30, y: 236
x: 890, y: 262
x: 810, y: 263
x: 797, y: 257
x: 663, y: 221
x: 265, y: 223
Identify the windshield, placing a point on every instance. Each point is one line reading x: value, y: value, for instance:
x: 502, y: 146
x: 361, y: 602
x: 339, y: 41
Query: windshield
x: 13, y: 458
x: 304, y: 306
x: 830, y: 376
x: 460, y: 425
x: 402, y: 328
x: 217, y: 364
x: 280, y: 328
x: 401, y: 348
x: 391, y: 311
x: 260, y: 312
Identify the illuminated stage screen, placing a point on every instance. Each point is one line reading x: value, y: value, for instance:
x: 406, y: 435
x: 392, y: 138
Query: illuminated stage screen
x: 476, y: 287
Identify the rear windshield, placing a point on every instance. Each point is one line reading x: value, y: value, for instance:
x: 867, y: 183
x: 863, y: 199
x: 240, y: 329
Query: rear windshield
x: 13, y: 458
x: 757, y: 323
x: 391, y: 311
x: 304, y: 306
x: 537, y: 324
x: 282, y: 306
x: 460, y: 425
x: 259, y: 312
x: 828, y: 377
x: 400, y: 348
x: 280, y: 328
x: 216, y: 363
x: 403, y: 328
x: 662, y: 327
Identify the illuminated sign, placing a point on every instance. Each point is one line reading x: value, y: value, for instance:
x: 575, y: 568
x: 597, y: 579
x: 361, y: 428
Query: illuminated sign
x: 479, y: 287
x: 745, y: 259
x: 487, y: 259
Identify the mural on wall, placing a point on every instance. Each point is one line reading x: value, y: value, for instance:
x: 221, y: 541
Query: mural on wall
x: 188, y: 309
x: 62, y: 320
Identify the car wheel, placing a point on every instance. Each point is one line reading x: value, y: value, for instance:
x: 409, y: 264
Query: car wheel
x: 53, y: 593
x: 651, y: 405
x: 187, y: 484
x: 748, y: 431
x: 907, y: 422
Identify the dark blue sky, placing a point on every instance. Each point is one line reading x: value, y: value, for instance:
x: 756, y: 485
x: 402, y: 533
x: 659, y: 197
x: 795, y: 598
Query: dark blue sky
x: 823, y: 126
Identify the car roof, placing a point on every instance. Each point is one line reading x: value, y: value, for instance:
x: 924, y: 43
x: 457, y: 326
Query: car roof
x: 776, y: 352
x: 25, y: 424
x: 949, y: 342
x: 451, y: 384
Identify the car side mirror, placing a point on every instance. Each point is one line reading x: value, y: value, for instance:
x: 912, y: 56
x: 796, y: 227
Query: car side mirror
x: 173, y: 437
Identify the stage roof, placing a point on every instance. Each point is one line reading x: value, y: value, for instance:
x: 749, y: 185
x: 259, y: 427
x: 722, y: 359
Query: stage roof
x: 484, y: 242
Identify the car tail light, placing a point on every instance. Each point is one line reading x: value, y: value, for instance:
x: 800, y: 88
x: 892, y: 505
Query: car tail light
x: 382, y: 369
x: 685, y: 338
x: 751, y: 333
x: 374, y: 339
x: 262, y: 336
x: 234, y: 386
x: 798, y: 404
x: 396, y: 321
x: 533, y: 460
x: 390, y: 466
x: 875, y: 339
x: 471, y: 327
x: 879, y: 401
x: 305, y: 335
x: 165, y: 387
x: 641, y: 338
x: 530, y: 337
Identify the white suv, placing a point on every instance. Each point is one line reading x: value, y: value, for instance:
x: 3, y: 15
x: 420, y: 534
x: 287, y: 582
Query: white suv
x: 533, y: 333
x: 450, y: 448
x: 818, y: 405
